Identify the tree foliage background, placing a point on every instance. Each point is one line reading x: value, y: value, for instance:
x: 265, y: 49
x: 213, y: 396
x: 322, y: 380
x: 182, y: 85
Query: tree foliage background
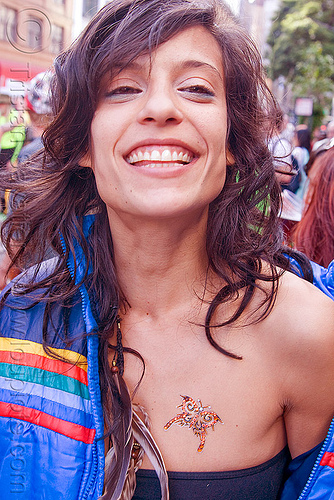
x: 302, y: 48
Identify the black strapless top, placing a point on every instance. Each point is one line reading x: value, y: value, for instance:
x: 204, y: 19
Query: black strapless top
x: 262, y: 482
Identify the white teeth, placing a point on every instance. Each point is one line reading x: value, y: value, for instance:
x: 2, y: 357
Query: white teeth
x: 166, y: 155
x: 162, y: 156
x: 155, y: 155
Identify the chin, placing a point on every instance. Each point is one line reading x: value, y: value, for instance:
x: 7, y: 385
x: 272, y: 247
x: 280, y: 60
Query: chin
x: 173, y: 210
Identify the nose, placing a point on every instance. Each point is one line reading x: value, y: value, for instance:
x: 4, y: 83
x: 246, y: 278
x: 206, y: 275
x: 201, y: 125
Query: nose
x: 160, y: 107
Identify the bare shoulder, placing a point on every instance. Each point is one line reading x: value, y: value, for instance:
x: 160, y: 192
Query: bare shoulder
x: 301, y: 326
x: 307, y: 311
x: 303, y: 322
x: 302, y: 337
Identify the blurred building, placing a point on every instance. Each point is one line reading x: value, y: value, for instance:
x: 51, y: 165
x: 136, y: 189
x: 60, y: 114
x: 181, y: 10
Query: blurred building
x: 31, y: 35
x: 257, y: 16
x: 83, y: 11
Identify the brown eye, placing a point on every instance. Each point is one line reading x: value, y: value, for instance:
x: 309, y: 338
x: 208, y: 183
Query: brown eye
x: 197, y: 93
x: 199, y: 89
x: 124, y: 90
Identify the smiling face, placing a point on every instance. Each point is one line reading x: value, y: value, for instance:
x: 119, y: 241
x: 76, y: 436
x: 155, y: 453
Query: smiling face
x: 159, y: 131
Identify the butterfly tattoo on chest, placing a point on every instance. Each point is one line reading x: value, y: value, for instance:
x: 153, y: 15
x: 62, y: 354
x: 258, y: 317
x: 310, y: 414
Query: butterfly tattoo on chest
x: 195, y: 416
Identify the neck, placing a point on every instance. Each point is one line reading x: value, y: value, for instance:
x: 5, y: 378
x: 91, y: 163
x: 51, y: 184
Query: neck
x: 160, y: 264
x: 36, y: 130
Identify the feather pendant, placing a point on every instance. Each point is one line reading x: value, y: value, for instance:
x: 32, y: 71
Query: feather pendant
x: 143, y: 436
x: 126, y: 478
x: 118, y: 457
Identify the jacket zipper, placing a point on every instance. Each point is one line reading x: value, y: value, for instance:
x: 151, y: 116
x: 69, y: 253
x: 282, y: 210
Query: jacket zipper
x: 94, y: 447
x: 310, y: 480
x: 94, y: 474
x: 88, y: 486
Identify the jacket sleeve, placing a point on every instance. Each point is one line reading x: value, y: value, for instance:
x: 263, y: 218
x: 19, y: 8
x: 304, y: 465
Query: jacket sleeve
x: 311, y: 475
x: 323, y: 278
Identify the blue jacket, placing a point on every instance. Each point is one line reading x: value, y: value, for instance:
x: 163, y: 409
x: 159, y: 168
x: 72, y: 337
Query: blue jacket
x: 50, y: 411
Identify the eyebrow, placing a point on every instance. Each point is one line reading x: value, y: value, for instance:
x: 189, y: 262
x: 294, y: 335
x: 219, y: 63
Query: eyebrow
x: 188, y: 64
x: 193, y: 63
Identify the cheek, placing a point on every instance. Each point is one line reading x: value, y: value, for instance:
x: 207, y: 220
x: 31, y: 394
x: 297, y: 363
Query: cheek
x: 104, y: 127
x: 102, y: 149
x: 213, y: 127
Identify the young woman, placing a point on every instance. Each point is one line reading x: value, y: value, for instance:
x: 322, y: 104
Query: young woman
x: 166, y: 322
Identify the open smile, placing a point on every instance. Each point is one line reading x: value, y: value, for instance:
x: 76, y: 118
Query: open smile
x: 160, y: 156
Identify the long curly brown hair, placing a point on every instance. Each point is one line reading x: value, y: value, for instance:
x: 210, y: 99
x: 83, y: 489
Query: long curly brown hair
x: 53, y: 192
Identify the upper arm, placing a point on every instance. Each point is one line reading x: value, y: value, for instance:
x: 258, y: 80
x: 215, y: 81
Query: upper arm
x: 309, y: 365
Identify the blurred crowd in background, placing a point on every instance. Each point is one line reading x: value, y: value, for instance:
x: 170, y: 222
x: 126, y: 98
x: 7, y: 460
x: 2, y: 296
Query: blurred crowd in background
x: 22, y: 124
x: 304, y: 164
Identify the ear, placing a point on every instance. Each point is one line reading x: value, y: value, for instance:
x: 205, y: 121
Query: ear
x: 229, y: 158
x: 86, y: 161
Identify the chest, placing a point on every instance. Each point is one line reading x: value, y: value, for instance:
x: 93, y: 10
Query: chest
x: 207, y: 411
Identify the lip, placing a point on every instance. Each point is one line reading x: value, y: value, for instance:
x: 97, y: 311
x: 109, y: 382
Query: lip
x: 161, y: 171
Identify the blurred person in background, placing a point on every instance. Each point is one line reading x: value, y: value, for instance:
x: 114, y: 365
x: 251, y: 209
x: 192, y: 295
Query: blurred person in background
x: 314, y: 234
x: 301, y: 154
x: 328, y: 135
x: 37, y: 103
x: 12, y: 132
x: 280, y: 148
x: 287, y: 128
x: 319, y: 134
x: 4, y: 109
x: 330, y: 130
